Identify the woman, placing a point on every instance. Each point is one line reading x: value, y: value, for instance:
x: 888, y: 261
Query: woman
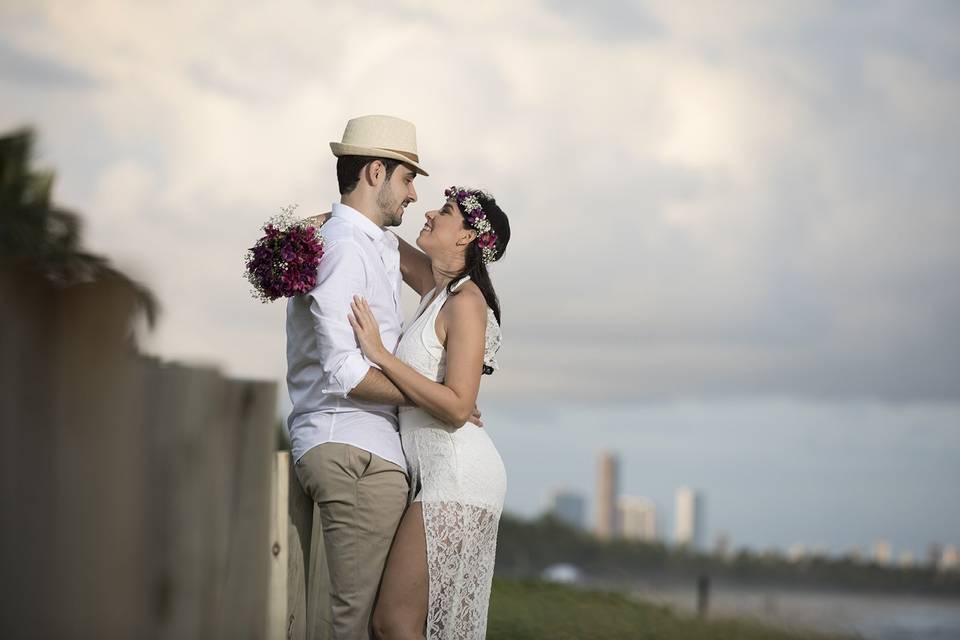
x: 440, y: 567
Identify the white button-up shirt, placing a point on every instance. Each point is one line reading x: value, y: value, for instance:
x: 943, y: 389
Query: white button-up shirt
x: 324, y: 361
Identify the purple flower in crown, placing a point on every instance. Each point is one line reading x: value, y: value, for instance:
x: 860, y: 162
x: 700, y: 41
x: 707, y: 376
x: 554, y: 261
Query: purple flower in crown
x: 469, y: 203
x: 487, y: 241
x: 283, y: 262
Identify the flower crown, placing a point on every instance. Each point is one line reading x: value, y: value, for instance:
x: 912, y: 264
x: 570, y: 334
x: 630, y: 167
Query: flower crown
x: 469, y: 203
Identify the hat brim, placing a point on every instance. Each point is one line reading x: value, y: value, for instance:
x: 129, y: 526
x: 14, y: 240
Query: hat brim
x: 340, y: 149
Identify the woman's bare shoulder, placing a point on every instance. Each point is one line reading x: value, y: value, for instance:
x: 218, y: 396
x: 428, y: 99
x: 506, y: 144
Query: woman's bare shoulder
x: 468, y: 300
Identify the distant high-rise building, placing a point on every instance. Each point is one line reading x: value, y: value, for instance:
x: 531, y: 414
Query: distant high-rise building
x: 608, y: 482
x: 638, y: 518
x: 882, y: 552
x: 906, y: 559
x: 949, y: 559
x: 688, y: 522
x: 721, y: 546
x: 933, y: 554
x: 568, y: 507
x: 797, y: 552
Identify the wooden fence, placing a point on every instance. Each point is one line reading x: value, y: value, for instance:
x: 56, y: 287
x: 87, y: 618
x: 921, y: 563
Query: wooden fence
x: 139, y: 498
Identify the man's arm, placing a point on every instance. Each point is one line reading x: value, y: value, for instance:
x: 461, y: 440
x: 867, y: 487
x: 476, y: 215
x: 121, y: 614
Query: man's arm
x: 340, y: 276
x: 376, y: 387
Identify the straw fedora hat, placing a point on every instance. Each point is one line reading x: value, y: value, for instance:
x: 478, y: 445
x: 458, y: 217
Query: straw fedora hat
x: 380, y: 137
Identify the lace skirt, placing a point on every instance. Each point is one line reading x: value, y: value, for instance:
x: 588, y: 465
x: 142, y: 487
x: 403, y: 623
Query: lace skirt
x: 458, y: 477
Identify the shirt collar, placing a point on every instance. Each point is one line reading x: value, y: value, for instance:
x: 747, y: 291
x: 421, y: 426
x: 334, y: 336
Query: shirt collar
x: 357, y: 219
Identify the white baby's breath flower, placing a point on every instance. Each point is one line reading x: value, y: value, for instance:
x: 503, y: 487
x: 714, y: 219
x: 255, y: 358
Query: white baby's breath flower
x: 286, y: 218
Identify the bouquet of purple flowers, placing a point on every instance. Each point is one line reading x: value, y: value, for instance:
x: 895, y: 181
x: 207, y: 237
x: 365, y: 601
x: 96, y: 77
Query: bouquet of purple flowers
x: 283, y: 262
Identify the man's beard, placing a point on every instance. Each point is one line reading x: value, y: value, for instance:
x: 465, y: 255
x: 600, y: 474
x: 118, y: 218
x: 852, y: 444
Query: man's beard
x: 389, y: 206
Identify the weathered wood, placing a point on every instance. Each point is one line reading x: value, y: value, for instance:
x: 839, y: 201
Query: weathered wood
x: 308, y: 583
x: 99, y: 457
x: 140, y: 489
x: 246, y: 595
x: 29, y: 479
x: 279, y: 544
x: 299, y: 532
x: 319, y: 614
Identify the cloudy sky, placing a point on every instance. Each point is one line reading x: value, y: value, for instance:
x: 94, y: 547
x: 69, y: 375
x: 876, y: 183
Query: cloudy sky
x: 710, y: 201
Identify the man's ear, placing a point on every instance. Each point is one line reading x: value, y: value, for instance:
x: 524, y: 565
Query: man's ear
x: 373, y: 172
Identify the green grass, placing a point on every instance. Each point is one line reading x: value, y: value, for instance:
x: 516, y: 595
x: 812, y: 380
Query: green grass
x: 528, y: 610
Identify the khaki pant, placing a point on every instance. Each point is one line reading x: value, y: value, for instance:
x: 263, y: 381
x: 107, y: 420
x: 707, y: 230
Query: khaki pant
x: 361, y: 498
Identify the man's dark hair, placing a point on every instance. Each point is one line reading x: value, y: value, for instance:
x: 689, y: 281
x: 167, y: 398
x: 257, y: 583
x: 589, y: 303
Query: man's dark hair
x: 349, y: 168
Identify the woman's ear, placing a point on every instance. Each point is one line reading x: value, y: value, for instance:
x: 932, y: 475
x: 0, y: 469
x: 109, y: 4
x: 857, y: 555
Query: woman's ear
x: 468, y: 236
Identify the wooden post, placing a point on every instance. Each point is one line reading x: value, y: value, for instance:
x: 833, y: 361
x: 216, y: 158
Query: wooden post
x: 299, y: 535
x: 308, y: 583
x: 246, y: 594
x: 277, y: 625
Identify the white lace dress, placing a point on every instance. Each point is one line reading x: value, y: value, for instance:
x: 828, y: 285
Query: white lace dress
x: 460, y: 480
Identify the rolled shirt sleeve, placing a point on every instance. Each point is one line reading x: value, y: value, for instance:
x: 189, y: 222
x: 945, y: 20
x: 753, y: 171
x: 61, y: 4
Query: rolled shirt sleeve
x: 340, y: 276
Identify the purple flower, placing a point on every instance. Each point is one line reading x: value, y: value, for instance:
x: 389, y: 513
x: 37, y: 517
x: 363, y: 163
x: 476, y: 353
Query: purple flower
x: 283, y: 262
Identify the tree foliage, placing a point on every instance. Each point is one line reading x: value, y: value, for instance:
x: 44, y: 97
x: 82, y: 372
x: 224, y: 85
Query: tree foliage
x: 37, y: 234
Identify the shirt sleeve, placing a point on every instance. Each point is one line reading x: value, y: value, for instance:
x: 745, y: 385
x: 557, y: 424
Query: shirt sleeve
x: 341, y: 275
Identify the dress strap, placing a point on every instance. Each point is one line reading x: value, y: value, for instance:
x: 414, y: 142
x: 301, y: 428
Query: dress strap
x: 459, y: 282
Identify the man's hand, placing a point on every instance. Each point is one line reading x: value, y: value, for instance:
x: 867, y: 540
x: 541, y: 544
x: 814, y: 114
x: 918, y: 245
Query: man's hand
x: 475, y: 417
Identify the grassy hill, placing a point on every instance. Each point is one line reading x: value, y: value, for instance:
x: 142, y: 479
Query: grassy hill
x: 528, y: 610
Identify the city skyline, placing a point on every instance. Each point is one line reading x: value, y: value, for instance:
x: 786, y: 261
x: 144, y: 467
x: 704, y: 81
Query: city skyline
x: 637, y: 521
x: 839, y: 502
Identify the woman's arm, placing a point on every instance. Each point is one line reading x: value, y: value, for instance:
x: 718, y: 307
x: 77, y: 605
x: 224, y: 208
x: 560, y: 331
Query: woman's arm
x: 414, y: 264
x: 453, y: 401
x: 415, y: 267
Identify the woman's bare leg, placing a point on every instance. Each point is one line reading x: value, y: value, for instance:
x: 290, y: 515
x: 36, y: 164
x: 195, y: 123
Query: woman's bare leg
x: 401, y: 609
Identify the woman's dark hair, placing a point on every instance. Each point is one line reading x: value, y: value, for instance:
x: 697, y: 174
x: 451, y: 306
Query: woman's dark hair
x: 349, y: 167
x: 474, y: 265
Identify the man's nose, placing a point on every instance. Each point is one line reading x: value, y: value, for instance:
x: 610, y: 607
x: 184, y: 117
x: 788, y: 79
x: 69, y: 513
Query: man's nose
x: 413, y: 193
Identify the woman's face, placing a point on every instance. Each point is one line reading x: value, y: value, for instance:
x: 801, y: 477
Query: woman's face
x: 443, y: 231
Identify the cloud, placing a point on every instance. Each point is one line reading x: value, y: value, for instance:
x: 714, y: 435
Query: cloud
x: 760, y: 200
x: 16, y: 67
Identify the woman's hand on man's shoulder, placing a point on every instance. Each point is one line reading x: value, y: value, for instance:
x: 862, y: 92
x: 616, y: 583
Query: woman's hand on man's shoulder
x: 317, y: 220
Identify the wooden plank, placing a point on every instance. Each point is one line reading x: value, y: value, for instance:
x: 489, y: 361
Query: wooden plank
x: 319, y: 613
x: 299, y: 534
x: 278, y: 550
x: 246, y: 593
x: 27, y: 474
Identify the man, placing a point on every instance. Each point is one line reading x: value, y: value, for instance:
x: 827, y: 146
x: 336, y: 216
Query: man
x: 343, y: 426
